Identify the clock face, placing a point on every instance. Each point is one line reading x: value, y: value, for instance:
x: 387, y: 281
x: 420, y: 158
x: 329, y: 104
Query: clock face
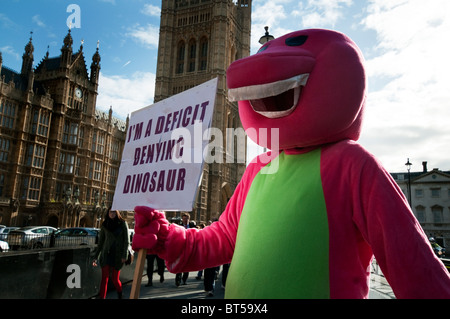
x: 78, y: 93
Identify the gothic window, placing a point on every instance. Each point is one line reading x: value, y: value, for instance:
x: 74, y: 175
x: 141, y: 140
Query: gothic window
x: 70, y: 133
x: 7, y: 114
x: 98, y: 142
x: 44, y: 122
x: 4, y: 149
x: 34, y: 189
x: 112, y: 176
x: 95, y: 170
x: 203, y: 53
x: 40, y: 123
x: 39, y: 155
x: 98, y: 171
x: 66, y: 163
x: 31, y: 187
x: 78, y: 167
x: 180, y: 57
x: 192, y: 55
x: 115, y: 150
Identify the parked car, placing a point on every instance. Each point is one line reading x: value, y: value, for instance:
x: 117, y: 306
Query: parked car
x: 4, y: 231
x: 23, y: 237
x: 73, y: 236
x: 3, y: 246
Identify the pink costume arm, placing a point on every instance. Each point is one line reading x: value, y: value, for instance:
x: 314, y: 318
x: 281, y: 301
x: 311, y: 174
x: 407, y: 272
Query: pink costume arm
x: 383, y: 218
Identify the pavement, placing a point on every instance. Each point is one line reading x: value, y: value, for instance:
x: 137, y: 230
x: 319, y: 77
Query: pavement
x: 194, y: 289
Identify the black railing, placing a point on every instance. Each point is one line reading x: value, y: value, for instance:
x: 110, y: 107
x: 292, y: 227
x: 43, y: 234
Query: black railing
x: 17, y: 241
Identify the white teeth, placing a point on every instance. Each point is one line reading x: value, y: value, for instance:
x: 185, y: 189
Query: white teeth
x: 254, y: 92
x: 277, y: 114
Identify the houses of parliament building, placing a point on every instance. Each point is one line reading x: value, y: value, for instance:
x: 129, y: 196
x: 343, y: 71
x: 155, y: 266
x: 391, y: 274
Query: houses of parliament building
x: 60, y: 156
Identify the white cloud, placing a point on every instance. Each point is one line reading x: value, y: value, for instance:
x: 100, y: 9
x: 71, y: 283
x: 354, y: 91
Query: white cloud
x: 409, y: 105
x: 10, y: 50
x: 6, y: 22
x: 147, y: 35
x: 323, y: 12
x: 267, y: 13
x: 125, y: 94
x: 37, y: 19
x: 151, y: 10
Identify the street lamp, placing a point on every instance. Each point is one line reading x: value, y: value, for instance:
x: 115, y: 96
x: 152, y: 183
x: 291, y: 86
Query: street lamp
x: 266, y: 37
x: 408, y: 167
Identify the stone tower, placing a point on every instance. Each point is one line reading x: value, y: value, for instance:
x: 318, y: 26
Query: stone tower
x: 198, y: 40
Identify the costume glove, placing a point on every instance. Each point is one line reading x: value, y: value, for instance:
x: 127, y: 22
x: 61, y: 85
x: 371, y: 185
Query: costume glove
x: 150, y: 230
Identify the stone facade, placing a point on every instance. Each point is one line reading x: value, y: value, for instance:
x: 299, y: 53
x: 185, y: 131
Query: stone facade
x: 430, y: 200
x: 60, y: 156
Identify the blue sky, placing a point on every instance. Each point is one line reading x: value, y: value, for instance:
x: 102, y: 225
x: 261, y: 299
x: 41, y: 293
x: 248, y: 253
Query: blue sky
x: 405, y: 44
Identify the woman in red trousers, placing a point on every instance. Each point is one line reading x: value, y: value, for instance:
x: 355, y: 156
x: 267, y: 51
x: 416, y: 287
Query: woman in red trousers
x: 112, y: 250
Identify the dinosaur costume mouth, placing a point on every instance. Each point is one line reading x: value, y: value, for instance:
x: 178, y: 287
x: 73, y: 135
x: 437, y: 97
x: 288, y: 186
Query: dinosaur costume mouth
x: 272, y: 100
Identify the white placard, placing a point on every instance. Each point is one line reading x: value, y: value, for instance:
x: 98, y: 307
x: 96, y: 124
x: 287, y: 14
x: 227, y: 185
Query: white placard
x: 163, y: 156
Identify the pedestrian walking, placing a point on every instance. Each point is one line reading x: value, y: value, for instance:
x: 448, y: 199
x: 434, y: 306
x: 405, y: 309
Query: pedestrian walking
x: 185, y: 217
x: 150, y: 265
x: 112, y: 249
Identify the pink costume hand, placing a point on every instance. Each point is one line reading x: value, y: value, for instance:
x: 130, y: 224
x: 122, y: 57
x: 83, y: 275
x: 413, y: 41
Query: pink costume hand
x: 150, y: 230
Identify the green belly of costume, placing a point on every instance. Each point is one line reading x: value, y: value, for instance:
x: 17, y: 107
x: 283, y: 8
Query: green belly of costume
x: 282, y: 248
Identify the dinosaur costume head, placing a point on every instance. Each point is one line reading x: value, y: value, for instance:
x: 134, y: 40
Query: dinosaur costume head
x: 309, y: 84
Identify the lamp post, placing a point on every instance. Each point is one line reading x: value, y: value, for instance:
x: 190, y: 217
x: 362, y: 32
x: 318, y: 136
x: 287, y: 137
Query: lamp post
x: 266, y: 37
x: 408, y: 167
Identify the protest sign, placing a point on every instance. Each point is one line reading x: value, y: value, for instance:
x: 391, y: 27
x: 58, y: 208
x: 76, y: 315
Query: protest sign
x: 163, y: 156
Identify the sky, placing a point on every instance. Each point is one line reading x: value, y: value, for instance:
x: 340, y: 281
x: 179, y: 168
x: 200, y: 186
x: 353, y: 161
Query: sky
x: 405, y: 43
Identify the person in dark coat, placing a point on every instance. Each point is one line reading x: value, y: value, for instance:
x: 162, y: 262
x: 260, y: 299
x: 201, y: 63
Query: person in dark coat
x: 112, y: 250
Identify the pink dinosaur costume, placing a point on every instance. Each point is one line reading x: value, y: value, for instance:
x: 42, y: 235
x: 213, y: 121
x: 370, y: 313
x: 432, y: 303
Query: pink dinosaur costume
x: 319, y: 206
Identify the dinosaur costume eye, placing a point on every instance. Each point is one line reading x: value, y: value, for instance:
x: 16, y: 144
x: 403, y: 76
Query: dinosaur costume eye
x: 296, y: 41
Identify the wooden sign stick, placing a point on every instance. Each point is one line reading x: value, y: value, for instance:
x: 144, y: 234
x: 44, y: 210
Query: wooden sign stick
x: 138, y: 270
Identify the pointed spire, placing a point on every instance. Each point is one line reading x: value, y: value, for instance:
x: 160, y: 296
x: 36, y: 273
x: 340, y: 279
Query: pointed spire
x: 66, y: 50
x: 27, y: 57
x: 68, y: 41
x: 81, y: 46
x: 29, y: 48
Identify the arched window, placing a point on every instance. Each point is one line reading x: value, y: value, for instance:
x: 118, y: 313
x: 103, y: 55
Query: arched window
x: 180, y: 57
x: 192, y: 55
x: 203, y: 53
